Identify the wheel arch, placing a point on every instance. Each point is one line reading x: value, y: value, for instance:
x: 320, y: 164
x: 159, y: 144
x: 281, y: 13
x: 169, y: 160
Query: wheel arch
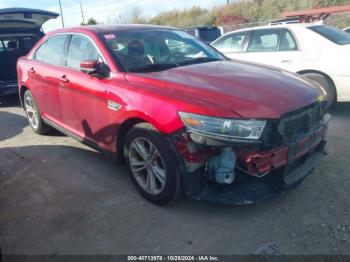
x: 312, y: 71
x: 22, y: 90
x: 121, y: 135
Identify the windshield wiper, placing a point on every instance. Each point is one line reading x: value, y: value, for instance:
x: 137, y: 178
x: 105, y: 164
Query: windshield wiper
x: 152, y: 67
x: 199, y: 60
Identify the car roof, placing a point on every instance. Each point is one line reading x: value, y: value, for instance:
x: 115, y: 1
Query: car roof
x: 201, y: 27
x: 109, y: 28
x: 296, y: 25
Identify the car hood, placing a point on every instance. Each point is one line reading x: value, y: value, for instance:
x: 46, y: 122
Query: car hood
x: 24, y: 18
x: 249, y: 90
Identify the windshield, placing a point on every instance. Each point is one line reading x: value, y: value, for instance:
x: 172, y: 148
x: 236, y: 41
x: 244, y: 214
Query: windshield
x: 209, y: 34
x: 333, y: 34
x: 157, y: 49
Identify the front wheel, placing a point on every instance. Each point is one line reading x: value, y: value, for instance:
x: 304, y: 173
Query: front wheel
x: 152, y: 164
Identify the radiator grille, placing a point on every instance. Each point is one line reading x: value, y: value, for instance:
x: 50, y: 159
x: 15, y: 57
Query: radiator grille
x: 300, y: 122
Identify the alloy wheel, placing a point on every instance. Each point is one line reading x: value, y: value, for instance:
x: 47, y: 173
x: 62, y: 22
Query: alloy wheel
x: 32, y: 112
x: 147, y: 166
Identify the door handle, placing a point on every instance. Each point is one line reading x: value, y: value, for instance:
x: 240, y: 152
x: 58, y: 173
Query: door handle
x: 63, y: 79
x: 287, y: 61
x: 31, y: 70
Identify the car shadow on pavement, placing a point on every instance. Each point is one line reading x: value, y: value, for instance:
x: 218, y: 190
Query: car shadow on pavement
x: 11, y: 125
x: 10, y: 101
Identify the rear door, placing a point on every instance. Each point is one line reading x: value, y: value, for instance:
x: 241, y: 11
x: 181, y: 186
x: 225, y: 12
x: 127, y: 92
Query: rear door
x: 276, y: 47
x: 45, y: 73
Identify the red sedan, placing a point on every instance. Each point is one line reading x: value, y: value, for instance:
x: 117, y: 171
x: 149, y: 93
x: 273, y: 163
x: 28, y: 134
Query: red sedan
x: 182, y: 116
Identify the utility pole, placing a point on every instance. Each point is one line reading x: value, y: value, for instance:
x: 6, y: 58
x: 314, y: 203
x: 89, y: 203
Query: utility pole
x: 59, y: 1
x: 228, y: 1
x: 82, y: 12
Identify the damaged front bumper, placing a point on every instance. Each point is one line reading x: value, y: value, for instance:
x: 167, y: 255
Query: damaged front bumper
x: 258, y: 175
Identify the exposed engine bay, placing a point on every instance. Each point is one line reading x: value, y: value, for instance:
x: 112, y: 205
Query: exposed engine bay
x: 246, y: 171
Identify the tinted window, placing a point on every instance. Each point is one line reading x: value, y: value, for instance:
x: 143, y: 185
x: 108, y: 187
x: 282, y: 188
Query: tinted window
x: 231, y: 43
x: 52, y: 51
x: 347, y: 30
x: 333, y: 34
x: 209, y: 34
x: 80, y: 49
x: 287, y: 42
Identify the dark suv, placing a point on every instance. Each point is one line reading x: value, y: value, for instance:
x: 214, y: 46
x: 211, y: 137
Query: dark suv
x: 206, y: 34
x: 20, y: 29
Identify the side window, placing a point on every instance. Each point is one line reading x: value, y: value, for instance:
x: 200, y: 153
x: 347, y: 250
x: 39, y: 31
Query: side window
x: 52, y: 51
x: 287, y: 42
x: 39, y: 54
x: 231, y: 43
x: 80, y: 49
x: 264, y: 41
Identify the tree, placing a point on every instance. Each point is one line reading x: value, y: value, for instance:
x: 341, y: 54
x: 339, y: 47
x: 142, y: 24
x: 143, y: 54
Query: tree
x: 90, y: 21
x: 137, y: 17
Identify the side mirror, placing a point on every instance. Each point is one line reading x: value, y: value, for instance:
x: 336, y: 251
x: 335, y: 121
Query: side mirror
x: 94, y: 68
x: 89, y: 66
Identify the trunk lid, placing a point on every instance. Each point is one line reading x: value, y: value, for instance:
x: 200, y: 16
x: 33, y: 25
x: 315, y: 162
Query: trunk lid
x: 11, y: 18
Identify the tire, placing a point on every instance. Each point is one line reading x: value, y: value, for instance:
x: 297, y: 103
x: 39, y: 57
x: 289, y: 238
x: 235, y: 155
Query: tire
x: 327, y: 85
x: 152, y: 164
x: 33, y: 114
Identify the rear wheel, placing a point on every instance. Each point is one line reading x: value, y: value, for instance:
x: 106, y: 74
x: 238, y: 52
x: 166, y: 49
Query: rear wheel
x: 152, y: 164
x: 327, y: 85
x: 33, y: 114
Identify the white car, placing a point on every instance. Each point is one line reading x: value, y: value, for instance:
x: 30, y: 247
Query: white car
x: 319, y: 52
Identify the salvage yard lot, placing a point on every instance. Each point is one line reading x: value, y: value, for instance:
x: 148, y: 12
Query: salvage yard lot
x: 60, y: 197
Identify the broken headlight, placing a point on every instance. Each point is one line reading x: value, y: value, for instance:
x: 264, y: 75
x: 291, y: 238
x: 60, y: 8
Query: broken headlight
x: 223, y: 127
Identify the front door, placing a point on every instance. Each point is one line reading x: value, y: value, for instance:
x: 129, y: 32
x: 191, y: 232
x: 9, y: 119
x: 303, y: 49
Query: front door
x: 83, y: 97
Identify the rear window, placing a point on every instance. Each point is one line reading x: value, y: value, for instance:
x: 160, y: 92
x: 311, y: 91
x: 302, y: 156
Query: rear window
x: 333, y: 34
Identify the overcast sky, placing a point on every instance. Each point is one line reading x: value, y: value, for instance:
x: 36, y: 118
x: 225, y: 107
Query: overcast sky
x: 106, y: 11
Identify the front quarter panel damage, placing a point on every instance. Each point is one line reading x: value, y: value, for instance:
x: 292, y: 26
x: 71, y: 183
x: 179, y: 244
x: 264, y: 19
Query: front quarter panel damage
x: 259, y: 173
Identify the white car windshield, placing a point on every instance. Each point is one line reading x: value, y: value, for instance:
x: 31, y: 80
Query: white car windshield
x: 157, y: 49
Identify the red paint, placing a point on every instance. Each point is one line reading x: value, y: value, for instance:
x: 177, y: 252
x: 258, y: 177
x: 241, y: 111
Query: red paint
x: 89, y: 64
x: 258, y: 163
x: 78, y: 102
x: 193, y: 157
